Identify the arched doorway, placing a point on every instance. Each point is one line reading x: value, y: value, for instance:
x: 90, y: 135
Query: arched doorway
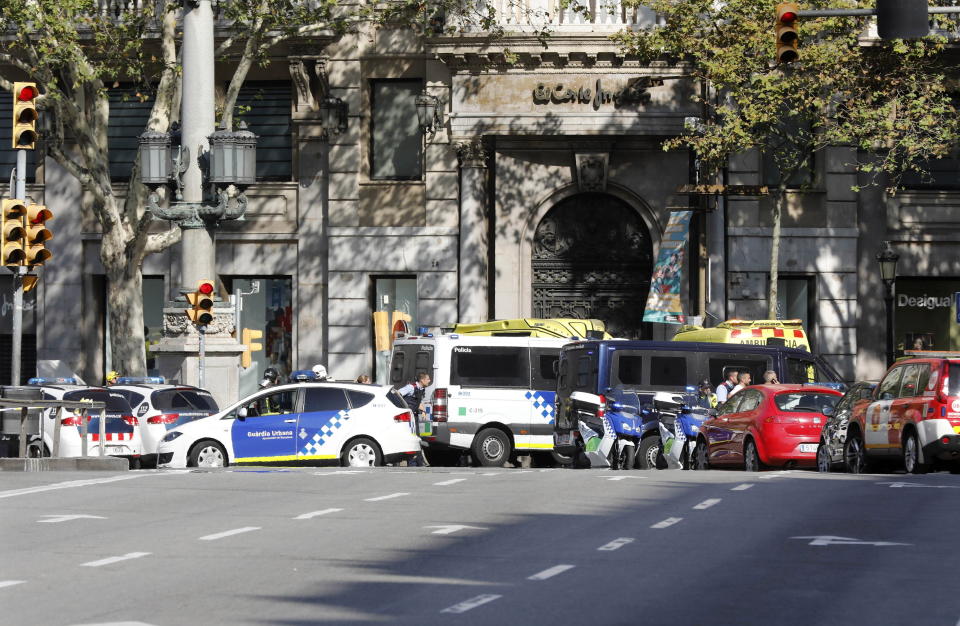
x: 593, y: 258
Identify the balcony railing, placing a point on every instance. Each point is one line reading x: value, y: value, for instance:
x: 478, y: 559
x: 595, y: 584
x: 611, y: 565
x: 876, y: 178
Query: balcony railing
x: 583, y: 16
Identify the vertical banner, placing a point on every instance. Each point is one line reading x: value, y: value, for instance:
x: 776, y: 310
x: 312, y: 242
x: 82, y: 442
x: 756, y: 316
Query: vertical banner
x: 663, y: 303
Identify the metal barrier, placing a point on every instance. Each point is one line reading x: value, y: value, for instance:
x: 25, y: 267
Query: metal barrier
x: 85, y: 407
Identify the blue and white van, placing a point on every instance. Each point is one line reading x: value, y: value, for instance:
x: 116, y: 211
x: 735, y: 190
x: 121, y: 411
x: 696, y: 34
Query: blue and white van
x: 491, y: 396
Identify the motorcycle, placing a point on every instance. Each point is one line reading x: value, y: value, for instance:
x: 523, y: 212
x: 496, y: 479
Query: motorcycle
x: 610, y: 436
x: 678, y: 421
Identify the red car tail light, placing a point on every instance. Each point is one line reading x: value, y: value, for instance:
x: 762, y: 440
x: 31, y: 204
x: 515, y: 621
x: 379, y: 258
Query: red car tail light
x: 439, y: 409
x: 166, y: 418
x: 72, y: 420
x: 130, y: 420
x: 945, y: 439
x: 602, y: 409
x: 402, y: 417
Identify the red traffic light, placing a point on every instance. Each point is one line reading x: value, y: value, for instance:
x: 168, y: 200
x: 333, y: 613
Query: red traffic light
x: 29, y: 92
x: 788, y: 17
x: 205, y: 288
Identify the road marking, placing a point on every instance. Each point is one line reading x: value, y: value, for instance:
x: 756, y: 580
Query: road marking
x: 56, y: 519
x: 550, y: 572
x: 71, y: 484
x: 896, y: 485
x: 830, y: 540
x: 449, y: 529
x: 10, y: 583
x: 742, y: 487
x: 488, y: 474
x: 339, y: 472
x: 616, y: 544
x: 313, y: 514
x: 392, y: 495
x: 706, y: 504
x: 115, y: 559
x: 452, y: 481
x: 621, y: 477
x: 228, y: 533
x: 472, y: 603
x: 670, y: 521
x: 780, y: 474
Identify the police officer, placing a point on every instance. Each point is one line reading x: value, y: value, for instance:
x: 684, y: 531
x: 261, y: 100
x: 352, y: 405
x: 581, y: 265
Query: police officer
x: 706, y: 398
x: 271, y: 378
x: 413, y: 395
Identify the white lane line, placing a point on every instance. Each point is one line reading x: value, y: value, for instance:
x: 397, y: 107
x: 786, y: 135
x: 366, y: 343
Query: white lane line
x: 550, y: 572
x: 742, y: 487
x: 488, y: 474
x: 313, y: 514
x: 388, y: 497
x: 70, y: 484
x: 616, y: 544
x: 472, y: 603
x: 452, y: 481
x: 228, y: 533
x: 670, y: 521
x: 706, y: 504
x: 10, y: 583
x: 115, y: 559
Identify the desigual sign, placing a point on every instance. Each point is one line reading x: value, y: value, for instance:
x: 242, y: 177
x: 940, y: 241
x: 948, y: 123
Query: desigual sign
x: 924, y: 302
x: 634, y: 92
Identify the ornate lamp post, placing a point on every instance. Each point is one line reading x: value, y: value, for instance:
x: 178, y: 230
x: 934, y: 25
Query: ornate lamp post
x: 428, y: 113
x: 888, y: 272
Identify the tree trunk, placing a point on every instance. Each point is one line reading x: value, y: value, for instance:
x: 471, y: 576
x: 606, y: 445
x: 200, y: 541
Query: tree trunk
x: 125, y: 306
x: 775, y: 252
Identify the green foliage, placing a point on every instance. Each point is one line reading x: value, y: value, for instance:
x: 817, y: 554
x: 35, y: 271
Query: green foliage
x: 892, y: 99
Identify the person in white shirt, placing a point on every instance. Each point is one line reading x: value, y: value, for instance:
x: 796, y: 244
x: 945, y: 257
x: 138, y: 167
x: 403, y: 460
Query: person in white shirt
x: 724, y: 388
x: 743, y: 380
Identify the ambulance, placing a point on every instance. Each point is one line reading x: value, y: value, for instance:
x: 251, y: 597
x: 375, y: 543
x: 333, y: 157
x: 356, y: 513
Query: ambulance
x: 787, y: 333
x: 534, y: 327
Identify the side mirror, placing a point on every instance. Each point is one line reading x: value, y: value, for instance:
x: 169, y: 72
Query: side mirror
x: 828, y: 411
x: 712, y: 412
x: 242, y: 412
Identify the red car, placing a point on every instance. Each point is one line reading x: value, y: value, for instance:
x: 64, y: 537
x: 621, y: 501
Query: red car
x: 765, y: 425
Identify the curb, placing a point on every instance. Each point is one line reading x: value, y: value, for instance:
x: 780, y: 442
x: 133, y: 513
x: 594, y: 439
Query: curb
x: 60, y: 464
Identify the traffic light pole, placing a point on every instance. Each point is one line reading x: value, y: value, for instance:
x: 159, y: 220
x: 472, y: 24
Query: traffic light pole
x: 203, y: 352
x: 18, y: 273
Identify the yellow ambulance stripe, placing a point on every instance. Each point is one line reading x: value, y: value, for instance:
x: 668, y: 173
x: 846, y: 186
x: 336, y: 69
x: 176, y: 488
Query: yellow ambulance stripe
x: 534, y: 446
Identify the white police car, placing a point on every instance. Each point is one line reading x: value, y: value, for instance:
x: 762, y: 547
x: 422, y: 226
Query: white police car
x: 350, y: 423
x: 121, y: 429
x: 161, y: 407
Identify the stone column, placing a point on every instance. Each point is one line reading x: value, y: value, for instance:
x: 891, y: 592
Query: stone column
x: 473, y: 276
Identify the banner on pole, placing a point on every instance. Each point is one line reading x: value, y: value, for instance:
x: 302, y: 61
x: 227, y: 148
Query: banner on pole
x: 663, y: 303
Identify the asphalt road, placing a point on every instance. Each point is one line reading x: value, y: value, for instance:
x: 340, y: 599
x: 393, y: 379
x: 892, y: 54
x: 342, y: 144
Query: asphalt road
x: 474, y: 546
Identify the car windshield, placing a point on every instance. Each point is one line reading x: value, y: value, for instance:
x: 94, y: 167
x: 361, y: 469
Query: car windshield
x: 183, y: 400
x: 805, y: 401
x: 115, y: 402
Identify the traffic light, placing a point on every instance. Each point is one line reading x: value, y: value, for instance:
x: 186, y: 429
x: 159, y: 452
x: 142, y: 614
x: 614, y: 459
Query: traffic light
x: 37, y: 234
x: 24, y: 115
x: 787, y: 37
x: 247, y: 337
x: 201, y: 300
x: 12, y: 233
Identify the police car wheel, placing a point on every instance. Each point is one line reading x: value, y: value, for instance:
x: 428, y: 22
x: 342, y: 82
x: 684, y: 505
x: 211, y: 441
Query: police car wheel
x: 491, y: 447
x: 208, y: 454
x: 362, y: 452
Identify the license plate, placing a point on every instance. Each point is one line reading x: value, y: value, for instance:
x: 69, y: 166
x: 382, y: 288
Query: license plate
x: 808, y: 447
x: 116, y: 449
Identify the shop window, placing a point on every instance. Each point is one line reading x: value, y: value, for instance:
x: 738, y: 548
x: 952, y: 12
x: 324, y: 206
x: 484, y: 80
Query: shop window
x: 396, y: 144
x: 267, y: 306
x: 397, y: 297
x: 925, y: 314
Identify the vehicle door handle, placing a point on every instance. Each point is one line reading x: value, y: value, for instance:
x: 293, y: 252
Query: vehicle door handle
x: 289, y: 421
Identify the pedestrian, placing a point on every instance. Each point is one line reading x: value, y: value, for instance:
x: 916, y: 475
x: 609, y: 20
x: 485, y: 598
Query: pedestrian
x: 724, y: 388
x: 112, y: 377
x: 268, y: 405
x: 320, y: 372
x: 363, y: 379
x: 706, y: 398
x: 413, y: 395
x: 743, y: 380
x: 770, y: 378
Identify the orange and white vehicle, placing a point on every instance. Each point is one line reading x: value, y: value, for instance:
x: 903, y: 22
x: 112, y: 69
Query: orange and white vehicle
x: 914, y: 415
x: 787, y: 333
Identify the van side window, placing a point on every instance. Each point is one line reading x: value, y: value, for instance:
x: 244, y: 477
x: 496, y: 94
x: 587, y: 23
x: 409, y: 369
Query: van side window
x: 396, y: 368
x: 890, y: 386
x: 629, y: 369
x: 423, y: 363
x: 720, y: 364
x: 668, y: 370
x: 563, y: 378
x: 584, y: 371
x: 486, y: 366
x: 798, y: 372
x: 543, y: 361
x: 908, y: 382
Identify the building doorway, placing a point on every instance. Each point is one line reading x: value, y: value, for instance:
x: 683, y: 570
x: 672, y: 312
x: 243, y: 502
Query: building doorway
x: 593, y: 258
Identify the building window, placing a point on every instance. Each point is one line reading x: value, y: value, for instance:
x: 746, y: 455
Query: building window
x: 397, y: 296
x: 265, y: 107
x: 925, y: 314
x: 941, y: 174
x: 153, y: 302
x: 796, y: 300
x: 396, y: 144
x: 792, y: 129
x: 129, y: 114
x: 269, y: 310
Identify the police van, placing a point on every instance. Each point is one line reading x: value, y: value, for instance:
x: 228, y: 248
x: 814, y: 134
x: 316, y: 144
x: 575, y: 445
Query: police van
x: 491, y: 396
x: 786, y: 333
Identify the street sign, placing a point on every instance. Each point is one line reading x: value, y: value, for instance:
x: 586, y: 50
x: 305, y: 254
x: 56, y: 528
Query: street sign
x: 449, y: 529
x: 830, y: 540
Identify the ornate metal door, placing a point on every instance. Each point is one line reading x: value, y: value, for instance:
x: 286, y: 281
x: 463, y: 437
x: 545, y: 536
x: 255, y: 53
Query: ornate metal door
x: 592, y: 258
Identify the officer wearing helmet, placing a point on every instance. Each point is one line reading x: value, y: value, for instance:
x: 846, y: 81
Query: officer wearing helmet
x: 271, y: 378
x: 112, y: 377
x: 320, y: 372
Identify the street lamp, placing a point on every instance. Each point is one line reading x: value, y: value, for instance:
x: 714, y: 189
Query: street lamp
x: 428, y: 112
x: 333, y: 115
x: 888, y: 272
